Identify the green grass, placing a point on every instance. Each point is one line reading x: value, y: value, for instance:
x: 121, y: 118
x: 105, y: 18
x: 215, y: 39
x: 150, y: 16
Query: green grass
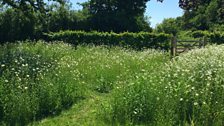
x: 84, y: 113
x: 187, y: 91
x: 44, y: 84
x: 40, y: 79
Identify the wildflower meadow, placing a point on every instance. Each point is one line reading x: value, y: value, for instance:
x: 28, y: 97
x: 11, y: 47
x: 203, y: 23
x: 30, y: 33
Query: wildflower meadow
x: 58, y: 84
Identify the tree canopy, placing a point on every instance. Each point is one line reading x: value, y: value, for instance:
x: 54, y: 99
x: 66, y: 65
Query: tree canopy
x: 25, y: 5
x: 102, y: 15
x: 203, y: 16
x: 169, y: 26
x: 118, y: 15
x: 21, y: 19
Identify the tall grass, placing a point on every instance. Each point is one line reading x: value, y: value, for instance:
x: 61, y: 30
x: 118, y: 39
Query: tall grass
x: 34, y: 82
x: 196, y: 87
x: 40, y: 79
x: 187, y: 91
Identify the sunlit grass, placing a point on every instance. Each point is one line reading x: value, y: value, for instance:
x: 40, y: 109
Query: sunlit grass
x: 41, y: 79
x: 34, y: 83
x: 103, y: 85
x: 187, y: 91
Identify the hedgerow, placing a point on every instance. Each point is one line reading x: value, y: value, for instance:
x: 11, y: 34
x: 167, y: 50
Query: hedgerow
x: 212, y: 37
x: 127, y: 39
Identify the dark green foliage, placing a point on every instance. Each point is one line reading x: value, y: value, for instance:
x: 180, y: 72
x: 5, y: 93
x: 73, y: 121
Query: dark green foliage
x: 217, y: 27
x: 169, y: 26
x: 26, y: 5
x: 118, y: 15
x: 191, y: 4
x: 18, y: 25
x: 127, y: 39
x: 213, y: 37
x: 198, y: 15
x: 15, y: 25
x: 63, y: 18
x: 29, y: 19
x: 202, y: 14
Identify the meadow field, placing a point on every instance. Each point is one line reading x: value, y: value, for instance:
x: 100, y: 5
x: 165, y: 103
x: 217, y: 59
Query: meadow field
x: 111, y: 63
x: 56, y: 84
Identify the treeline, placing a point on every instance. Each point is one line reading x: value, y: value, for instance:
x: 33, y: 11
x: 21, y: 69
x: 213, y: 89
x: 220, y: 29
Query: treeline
x: 27, y: 19
x: 202, y: 15
x: 17, y: 23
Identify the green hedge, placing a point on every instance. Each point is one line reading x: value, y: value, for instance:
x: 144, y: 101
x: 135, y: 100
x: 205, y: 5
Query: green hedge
x: 213, y: 37
x: 127, y: 39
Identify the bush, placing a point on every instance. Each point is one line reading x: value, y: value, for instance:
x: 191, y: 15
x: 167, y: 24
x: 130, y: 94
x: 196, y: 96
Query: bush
x: 127, y: 39
x: 213, y: 37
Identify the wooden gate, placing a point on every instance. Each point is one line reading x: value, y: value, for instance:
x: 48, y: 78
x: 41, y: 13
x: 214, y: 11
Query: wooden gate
x: 180, y: 46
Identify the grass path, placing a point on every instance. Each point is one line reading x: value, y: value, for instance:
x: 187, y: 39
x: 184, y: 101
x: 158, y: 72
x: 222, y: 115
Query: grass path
x: 83, y: 113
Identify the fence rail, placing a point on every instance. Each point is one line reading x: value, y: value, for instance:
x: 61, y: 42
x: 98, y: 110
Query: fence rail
x: 180, y: 46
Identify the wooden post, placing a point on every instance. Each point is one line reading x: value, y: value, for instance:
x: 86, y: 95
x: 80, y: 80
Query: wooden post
x: 201, y: 43
x: 204, y: 41
x: 173, y: 47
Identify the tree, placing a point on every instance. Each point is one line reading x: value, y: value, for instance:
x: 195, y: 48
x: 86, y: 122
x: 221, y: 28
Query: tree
x: 15, y: 25
x: 202, y: 14
x: 63, y: 18
x: 102, y: 15
x: 192, y: 4
x: 24, y: 5
x: 118, y: 15
x: 169, y: 26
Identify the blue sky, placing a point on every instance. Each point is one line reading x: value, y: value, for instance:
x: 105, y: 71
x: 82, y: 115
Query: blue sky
x: 156, y: 10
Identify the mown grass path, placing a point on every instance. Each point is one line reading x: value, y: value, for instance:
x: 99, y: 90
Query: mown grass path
x: 84, y: 113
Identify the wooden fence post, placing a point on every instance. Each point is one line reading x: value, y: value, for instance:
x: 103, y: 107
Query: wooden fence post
x: 173, y: 47
x: 204, y: 41
x: 201, y: 43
